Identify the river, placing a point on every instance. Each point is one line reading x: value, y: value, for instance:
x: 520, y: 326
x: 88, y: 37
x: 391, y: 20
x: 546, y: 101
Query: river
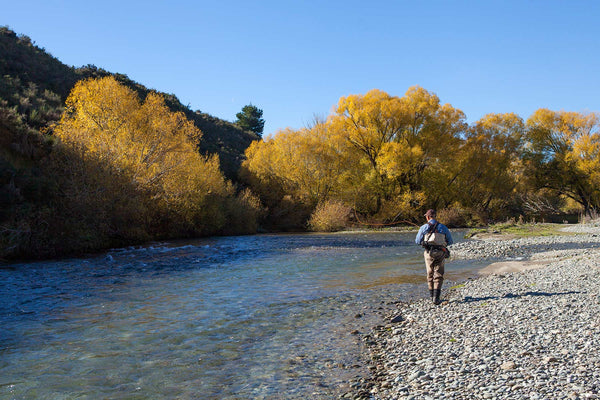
x: 264, y: 316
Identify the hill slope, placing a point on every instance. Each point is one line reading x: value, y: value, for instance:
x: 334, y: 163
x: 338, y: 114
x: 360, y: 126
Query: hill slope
x: 34, y: 85
x: 53, y: 202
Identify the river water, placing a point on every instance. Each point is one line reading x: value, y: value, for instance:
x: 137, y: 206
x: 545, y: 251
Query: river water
x: 265, y: 316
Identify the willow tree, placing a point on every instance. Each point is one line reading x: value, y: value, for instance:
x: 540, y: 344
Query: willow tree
x: 369, y: 123
x: 400, y: 138
x: 488, y: 167
x: 154, y: 149
x: 564, y: 148
x: 436, y: 130
x: 307, y: 164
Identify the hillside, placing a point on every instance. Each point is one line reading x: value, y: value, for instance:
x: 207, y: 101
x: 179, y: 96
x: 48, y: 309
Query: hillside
x: 55, y: 202
x: 34, y: 86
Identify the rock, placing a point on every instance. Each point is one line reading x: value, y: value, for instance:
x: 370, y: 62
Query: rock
x: 508, y: 365
x: 396, y: 319
x: 416, y: 375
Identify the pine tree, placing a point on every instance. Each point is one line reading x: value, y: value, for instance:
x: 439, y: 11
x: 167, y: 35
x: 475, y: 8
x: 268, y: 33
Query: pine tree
x: 250, y: 119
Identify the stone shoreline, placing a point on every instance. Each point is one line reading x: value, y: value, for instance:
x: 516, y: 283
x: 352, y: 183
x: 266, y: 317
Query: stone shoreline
x: 529, y: 329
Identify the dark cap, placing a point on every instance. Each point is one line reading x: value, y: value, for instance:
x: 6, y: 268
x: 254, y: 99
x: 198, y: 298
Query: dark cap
x: 430, y: 213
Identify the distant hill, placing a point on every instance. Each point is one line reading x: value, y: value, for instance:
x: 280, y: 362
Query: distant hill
x: 34, y: 85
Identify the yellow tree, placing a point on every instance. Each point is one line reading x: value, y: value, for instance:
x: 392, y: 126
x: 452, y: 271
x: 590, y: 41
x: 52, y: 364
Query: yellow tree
x: 107, y: 121
x: 154, y: 148
x: 306, y: 163
x: 295, y: 170
x: 487, y: 168
x: 423, y: 118
x: 564, y: 154
x: 586, y: 155
x: 400, y: 138
x: 436, y: 129
x: 369, y: 123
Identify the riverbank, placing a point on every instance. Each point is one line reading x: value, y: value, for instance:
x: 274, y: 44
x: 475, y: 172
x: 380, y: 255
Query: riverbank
x: 507, y: 335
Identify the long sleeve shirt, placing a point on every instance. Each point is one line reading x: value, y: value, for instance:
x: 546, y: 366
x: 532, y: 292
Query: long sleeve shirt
x: 440, y: 228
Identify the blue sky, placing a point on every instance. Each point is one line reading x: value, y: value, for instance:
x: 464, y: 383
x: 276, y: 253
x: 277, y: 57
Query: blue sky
x: 295, y: 59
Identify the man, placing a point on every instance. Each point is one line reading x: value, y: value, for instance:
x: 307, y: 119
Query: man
x: 434, y: 237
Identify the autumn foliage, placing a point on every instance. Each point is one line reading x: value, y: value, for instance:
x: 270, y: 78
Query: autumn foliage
x: 388, y: 158
x: 125, y: 171
x: 564, y: 155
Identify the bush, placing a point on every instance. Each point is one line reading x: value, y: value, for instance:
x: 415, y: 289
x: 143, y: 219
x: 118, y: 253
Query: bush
x: 452, y: 217
x: 458, y: 217
x: 329, y: 216
x: 244, y: 212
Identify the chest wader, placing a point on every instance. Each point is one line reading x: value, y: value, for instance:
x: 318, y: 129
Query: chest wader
x: 435, y: 254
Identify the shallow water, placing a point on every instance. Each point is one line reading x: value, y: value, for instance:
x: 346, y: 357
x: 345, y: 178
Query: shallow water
x: 265, y: 316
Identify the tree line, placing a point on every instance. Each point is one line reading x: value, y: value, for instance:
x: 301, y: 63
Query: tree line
x: 90, y: 160
x: 381, y: 159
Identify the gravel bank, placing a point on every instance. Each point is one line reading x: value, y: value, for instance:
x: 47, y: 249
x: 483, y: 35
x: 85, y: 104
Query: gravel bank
x: 526, y: 248
x: 533, y: 334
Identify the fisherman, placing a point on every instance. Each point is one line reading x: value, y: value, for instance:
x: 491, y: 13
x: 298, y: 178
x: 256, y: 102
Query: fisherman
x: 434, y: 237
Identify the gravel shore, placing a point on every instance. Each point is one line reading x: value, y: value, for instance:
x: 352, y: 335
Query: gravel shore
x: 532, y: 334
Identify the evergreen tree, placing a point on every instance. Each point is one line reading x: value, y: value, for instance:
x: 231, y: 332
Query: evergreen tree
x: 250, y: 119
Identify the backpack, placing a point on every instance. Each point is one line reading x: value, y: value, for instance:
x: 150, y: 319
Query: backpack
x: 433, y: 237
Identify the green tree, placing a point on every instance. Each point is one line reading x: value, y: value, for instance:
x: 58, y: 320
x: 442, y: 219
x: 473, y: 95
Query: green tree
x: 250, y: 119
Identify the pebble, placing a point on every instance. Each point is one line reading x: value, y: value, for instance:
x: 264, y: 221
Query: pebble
x: 522, y: 335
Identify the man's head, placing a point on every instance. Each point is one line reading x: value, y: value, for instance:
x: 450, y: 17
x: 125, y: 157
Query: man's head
x: 430, y: 214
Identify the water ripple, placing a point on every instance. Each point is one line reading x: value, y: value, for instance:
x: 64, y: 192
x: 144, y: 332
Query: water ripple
x: 264, y: 316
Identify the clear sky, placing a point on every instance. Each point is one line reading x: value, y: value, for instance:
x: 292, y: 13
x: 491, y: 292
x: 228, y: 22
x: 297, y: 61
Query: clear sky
x: 295, y: 59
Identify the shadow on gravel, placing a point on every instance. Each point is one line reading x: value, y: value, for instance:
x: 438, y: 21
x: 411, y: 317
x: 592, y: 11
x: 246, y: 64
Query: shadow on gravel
x: 469, y: 299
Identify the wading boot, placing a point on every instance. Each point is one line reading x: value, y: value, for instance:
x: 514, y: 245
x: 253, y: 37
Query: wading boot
x: 436, y: 296
x: 431, y: 294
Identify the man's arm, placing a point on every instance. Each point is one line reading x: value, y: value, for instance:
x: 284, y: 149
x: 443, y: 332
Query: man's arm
x: 449, y: 239
x: 419, y: 238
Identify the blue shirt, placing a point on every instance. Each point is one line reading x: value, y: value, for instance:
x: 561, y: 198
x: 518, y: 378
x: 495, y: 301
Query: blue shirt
x: 440, y: 228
